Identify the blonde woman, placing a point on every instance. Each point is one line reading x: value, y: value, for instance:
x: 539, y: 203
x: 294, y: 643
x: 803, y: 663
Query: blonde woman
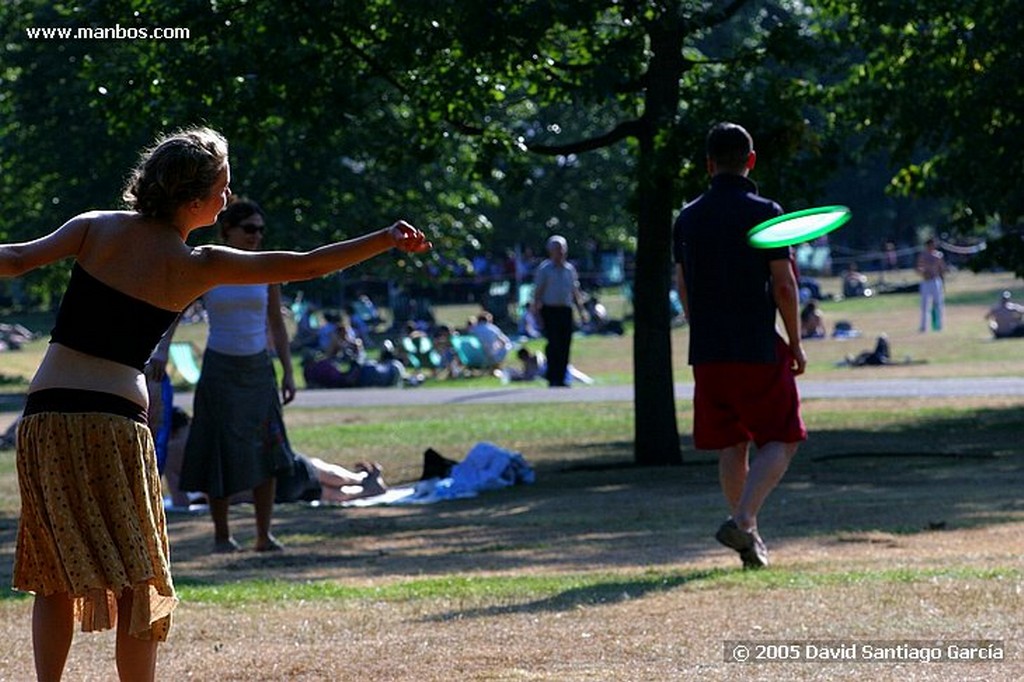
x: 92, y: 541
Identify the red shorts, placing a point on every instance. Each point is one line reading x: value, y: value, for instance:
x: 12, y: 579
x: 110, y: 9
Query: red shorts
x: 737, y: 402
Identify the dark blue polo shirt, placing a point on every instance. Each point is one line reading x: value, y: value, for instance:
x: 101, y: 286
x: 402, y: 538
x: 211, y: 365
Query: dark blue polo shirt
x: 728, y: 282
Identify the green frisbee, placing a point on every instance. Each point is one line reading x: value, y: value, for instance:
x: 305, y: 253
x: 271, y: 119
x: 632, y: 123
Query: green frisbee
x: 797, y: 227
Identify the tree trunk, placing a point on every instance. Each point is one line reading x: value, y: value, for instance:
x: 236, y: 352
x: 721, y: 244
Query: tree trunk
x: 657, y: 432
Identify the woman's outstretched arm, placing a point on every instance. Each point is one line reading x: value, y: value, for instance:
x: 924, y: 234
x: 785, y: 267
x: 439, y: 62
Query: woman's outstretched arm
x: 221, y: 265
x: 65, y: 241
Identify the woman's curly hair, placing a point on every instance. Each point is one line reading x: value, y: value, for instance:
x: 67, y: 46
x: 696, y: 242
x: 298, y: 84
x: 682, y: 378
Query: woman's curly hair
x: 179, y: 168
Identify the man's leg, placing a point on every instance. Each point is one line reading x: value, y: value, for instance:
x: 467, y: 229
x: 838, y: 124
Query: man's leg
x: 733, y: 466
x: 925, y: 305
x: 764, y: 475
x: 746, y: 487
x: 550, y: 336
x: 734, y: 476
x: 568, y: 344
x: 558, y: 332
x: 940, y: 304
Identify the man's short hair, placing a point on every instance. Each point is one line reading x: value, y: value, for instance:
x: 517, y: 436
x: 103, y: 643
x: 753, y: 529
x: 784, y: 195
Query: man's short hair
x: 729, y: 146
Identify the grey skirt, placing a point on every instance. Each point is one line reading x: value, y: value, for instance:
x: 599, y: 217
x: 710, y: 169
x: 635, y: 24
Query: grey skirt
x: 237, y: 439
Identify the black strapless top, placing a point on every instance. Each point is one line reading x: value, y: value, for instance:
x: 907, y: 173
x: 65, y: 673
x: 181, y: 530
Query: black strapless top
x: 97, y: 319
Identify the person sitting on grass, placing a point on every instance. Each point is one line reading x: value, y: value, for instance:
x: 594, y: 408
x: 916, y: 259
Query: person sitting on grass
x: 350, y: 372
x: 598, y: 320
x: 812, y: 323
x: 360, y: 327
x: 855, y: 283
x: 494, y: 341
x: 337, y: 338
x: 1006, y: 318
x: 534, y: 364
x: 450, y: 365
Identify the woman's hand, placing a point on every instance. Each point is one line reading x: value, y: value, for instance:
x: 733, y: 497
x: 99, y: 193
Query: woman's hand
x: 287, y: 389
x: 407, y: 238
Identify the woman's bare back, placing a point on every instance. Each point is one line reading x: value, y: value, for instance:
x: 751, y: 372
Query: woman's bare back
x: 140, y: 257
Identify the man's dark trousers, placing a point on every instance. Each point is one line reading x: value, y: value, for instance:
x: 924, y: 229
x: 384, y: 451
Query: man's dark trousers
x: 558, y: 331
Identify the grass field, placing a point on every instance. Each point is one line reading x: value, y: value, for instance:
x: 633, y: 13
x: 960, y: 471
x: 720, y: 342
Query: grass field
x: 899, y: 520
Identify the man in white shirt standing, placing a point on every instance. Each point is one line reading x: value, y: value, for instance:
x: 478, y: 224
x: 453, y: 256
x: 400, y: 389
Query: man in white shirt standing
x: 556, y: 291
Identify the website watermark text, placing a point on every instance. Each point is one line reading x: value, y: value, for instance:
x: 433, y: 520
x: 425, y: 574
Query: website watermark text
x: 115, y: 32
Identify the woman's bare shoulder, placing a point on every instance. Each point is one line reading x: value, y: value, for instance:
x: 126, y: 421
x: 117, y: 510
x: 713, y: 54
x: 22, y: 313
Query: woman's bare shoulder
x: 109, y: 219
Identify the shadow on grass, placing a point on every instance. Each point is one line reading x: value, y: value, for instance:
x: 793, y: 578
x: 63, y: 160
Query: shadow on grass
x: 603, y: 593
x: 934, y: 470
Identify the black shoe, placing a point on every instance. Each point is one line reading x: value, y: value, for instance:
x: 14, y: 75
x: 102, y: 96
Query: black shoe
x: 750, y: 546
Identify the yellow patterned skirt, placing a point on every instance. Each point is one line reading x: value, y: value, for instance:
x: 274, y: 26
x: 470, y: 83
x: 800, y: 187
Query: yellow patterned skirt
x: 92, y: 519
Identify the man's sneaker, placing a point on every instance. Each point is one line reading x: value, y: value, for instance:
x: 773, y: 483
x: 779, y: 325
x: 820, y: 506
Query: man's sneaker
x: 756, y: 556
x: 751, y: 548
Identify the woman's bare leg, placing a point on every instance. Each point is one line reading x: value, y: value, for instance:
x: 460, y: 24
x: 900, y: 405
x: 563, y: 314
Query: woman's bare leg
x: 222, y: 540
x: 263, y: 500
x: 53, y: 624
x: 338, y: 484
x: 136, y: 658
x: 334, y: 475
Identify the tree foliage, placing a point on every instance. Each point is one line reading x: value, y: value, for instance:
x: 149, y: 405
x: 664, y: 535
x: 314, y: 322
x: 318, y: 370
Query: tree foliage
x: 643, y: 79
x: 479, y: 120
x: 937, y: 85
x: 315, y: 136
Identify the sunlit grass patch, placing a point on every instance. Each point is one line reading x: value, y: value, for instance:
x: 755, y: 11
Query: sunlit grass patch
x: 590, y: 588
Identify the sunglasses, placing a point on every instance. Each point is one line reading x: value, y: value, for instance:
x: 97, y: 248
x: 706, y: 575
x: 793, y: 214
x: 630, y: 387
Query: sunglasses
x: 252, y: 229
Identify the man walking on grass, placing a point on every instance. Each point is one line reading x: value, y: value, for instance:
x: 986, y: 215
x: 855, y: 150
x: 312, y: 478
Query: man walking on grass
x: 744, y: 373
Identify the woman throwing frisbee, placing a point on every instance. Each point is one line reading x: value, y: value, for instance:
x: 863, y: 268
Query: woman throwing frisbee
x: 92, y: 540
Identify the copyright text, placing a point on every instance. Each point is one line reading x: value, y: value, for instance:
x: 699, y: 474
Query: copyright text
x: 904, y: 651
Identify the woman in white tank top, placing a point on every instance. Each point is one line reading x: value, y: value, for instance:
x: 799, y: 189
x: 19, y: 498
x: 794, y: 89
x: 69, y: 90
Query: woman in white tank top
x: 237, y: 440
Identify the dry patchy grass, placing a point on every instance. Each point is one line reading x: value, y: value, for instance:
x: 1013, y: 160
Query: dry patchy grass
x: 599, y: 572
x: 901, y: 519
